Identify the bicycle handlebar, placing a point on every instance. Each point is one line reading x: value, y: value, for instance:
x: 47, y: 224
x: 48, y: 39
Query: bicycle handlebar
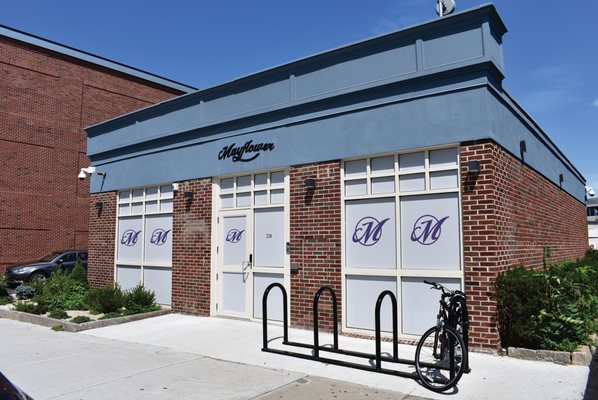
x: 445, y: 291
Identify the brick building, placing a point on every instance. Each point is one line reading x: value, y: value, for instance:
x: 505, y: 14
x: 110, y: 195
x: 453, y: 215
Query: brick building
x: 366, y: 168
x: 48, y: 93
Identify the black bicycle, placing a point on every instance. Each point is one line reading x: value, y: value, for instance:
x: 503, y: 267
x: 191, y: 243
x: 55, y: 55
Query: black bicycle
x: 441, y: 355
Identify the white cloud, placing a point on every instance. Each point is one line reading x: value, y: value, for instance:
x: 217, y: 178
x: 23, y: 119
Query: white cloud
x: 595, y: 102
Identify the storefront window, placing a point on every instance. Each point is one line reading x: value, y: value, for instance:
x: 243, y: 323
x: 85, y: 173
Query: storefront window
x: 144, y: 240
x: 402, y: 225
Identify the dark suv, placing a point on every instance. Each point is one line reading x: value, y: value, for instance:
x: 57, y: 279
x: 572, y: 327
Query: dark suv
x: 42, y: 268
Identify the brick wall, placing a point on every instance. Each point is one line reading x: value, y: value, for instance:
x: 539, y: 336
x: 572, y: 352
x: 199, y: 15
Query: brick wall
x: 315, y: 241
x: 102, y: 233
x: 47, y: 99
x: 510, y: 212
x: 191, y: 247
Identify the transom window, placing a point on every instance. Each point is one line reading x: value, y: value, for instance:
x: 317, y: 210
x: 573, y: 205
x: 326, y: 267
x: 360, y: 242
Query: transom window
x: 263, y: 189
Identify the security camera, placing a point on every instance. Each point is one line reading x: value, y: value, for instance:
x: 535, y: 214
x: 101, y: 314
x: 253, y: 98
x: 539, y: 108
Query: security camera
x: 84, y: 171
x: 590, y: 192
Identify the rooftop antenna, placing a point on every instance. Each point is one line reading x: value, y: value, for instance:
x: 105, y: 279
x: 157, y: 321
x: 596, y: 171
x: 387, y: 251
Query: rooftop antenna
x: 445, y: 7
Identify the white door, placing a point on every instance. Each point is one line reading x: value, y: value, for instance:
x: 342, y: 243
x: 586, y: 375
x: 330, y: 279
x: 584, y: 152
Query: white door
x: 252, y: 255
x: 235, y: 261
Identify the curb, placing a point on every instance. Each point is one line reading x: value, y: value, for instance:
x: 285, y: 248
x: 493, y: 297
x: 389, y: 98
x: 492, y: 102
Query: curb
x: 582, y: 356
x: 73, y: 327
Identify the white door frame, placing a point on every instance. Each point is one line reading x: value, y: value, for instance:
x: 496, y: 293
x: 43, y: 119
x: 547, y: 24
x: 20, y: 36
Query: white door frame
x: 216, y: 305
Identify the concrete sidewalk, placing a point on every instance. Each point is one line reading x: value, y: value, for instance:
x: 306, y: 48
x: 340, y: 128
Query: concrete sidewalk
x: 176, y: 356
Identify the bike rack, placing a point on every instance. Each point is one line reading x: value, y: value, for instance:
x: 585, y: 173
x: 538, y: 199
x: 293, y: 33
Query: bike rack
x: 316, y: 348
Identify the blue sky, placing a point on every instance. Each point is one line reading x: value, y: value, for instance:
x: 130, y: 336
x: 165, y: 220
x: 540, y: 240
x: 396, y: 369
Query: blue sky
x: 551, y: 49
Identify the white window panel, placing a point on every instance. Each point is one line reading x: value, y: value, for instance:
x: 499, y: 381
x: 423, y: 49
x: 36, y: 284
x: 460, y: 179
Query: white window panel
x: 261, y: 180
x: 356, y: 167
x: 261, y: 198
x: 227, y: 184
x: 124, y: 196
x: 159, y: 280
x: 383, y: 165
x: 151, y: 193
x: 124, y: 209
x: 362, y: 294
x: 158, y: 238
x: 243, y: 199
x: 269, y: 240
x: 136, y: 208
x: 226, y: 201
x: 356, y: 188
x: 411, y: 161
x: 277, y: 196
x: 166, y: 206
x: 370, y: 233
x: 277, y: 178
x: 420, y: 304
x: 244, y: 182
x: 234, y: 249
x: 444, y: 180
x: 260, y: 283
x: 443, y: 158
x: 138, y: 195
x: 412, y: 182
x: 233, y: 288
x: 130, y: 239
x: 430, y: 226
x: 128, y: 276
x: 383, y: 185
x: 151, y: 207
x: 166, y: 192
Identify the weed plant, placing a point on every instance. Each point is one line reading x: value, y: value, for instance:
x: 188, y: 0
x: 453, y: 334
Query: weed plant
x: 555, y: 308
x: 62, y: 292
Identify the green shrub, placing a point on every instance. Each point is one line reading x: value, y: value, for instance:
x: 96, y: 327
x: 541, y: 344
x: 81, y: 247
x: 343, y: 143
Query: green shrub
x: 58, y: 314
x: 31, y: 308
x: 79, y: 274
x: 109, y: 298
x: 110, y: 315
x: 4, y: 300
x: 80, y: 319
x: 139, y: 300
x: 62, y: 292
x: 555, y: 308
x: 25, y: 292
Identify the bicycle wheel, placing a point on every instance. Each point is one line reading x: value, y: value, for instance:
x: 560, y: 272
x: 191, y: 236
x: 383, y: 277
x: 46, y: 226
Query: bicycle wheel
x: 439, y: 358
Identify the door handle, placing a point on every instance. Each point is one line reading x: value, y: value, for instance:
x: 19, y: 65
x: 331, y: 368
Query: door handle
x: 250, y: 264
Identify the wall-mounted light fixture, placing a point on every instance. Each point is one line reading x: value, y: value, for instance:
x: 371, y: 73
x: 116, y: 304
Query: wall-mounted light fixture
x: 99, y: 205
x: 175, y: 187
x: 522, y: 147
x: 310, y: 183
x: 473, y: 166
x: 561, y: 179
x: 188, y: 196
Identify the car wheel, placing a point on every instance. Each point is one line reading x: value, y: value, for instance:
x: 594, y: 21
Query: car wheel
x: 37, y: 277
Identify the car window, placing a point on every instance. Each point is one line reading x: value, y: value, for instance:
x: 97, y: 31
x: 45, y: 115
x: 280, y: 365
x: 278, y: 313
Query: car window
x: 83, y: 256
x: 69, y: 257
x: 50, y: 257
